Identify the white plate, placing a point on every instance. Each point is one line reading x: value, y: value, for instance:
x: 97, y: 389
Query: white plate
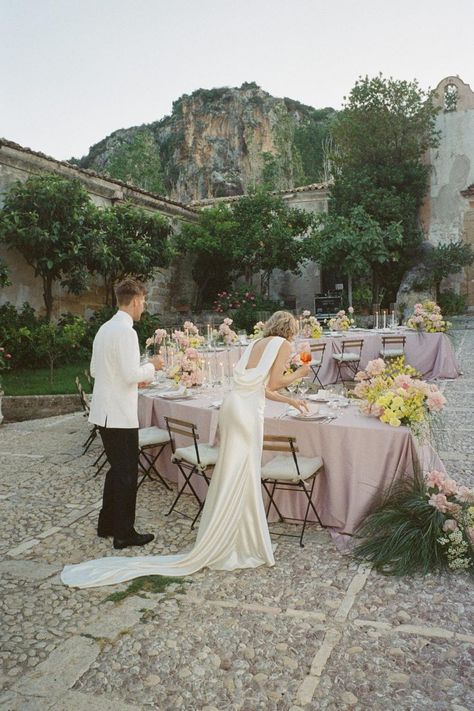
x: 175, y: 396
x: 317, y: 398
x: 313, y: 416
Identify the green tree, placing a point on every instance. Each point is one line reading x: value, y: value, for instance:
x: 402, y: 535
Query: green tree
x: 446, y: 259
x: 48, y: 219
x: 4, y: 274
x: 211, y: 244
x: 356, y: 245
x: 268, y: 235
x: 129, y: 242
x: 54, y: 342
x: 381, y: 137
x: 138, y: 162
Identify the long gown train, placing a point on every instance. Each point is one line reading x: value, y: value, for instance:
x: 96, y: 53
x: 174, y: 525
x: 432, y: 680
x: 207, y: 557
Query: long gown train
x: 233, y: 532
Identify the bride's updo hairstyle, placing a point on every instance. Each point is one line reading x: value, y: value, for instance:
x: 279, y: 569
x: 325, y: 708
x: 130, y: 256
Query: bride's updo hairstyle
x: 281, y: 323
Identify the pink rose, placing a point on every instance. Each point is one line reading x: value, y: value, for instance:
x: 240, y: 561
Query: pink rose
x: 465, y: 495
x: 449, y: 487
x: 439, y: 501
x: 351, y: 309
x: 450, y: 525
x: 435, y: 478
x: 436, y: 402
x: 375, y: 367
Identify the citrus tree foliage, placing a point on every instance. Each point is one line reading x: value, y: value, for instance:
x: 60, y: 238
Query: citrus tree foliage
x: 268, y: 236
x: 210, y: 242
x: 49, y: 220
x: 128, y: 242
x: 381, y: 136
x: 255, y: 235
x: 4, y: 274
x: 356, y: 245
x: 446, y: 259
x: 138, y: 162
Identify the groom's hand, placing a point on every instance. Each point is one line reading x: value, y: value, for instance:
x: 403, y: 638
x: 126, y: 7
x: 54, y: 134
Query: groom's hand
x: 157, y: 361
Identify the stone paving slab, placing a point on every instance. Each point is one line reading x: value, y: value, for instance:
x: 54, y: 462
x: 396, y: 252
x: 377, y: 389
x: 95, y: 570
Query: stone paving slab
x: 316, y: 631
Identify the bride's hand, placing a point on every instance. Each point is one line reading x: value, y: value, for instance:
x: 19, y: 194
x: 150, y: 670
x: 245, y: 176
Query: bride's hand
x: 300, y: 405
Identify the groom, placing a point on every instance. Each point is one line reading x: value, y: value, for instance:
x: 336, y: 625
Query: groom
x: 115, y: 366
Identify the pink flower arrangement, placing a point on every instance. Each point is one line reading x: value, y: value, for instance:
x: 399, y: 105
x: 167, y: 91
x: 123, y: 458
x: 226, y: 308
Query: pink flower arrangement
x: 310, y: 326
x: 225, y: 334
x: 454, y: 505
x: 427, y: 317
x: 187, y: 368
x: 341, y: 321
x: 157, y: 338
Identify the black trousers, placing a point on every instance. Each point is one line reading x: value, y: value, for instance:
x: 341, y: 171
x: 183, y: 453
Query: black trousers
x: 117, y: 516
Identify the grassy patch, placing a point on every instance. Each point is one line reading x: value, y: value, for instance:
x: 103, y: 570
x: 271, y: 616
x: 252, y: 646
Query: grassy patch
x: 36, y: 382
x: 147, y: 583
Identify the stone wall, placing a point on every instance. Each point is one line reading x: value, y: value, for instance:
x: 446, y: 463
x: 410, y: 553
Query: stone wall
x: 445, y: 214
x: 32, y: 407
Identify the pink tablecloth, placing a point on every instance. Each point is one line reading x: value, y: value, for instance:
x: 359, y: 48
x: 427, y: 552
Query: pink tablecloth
x: 430, y: 353
x: 361, y: 455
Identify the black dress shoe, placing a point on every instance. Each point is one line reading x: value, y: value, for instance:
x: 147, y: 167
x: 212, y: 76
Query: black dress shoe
x: 104, y: 534
x: 136, y: 539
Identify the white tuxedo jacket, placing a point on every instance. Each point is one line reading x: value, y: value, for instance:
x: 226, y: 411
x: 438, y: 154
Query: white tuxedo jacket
x: 115, y: 366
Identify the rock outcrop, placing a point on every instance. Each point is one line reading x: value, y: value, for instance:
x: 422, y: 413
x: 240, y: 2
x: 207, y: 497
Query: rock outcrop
x: 219, y: 142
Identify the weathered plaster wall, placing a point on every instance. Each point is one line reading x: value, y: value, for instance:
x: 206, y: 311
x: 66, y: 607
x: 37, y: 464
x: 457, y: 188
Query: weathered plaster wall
x: 446, y: 217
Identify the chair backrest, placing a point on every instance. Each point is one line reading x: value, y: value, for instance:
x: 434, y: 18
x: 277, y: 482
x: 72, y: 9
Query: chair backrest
x: 282, y: 443
x: 88, y: 376
x: 352, y: 345
x: 84, y: 402
x: 185, y: 429
x: 393, y: 341
x: 318, y: 348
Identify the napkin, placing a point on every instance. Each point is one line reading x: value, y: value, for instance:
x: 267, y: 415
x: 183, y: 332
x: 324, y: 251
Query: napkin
x: 174, y: 394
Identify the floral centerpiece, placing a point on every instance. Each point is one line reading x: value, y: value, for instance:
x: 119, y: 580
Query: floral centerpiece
x: 427, y: 317
x: 423, y: 524
x: 224, y: 334
x: 186, y: 368
x: 258, y: 330
x: 394, y: 393
x: 189, y: 337
x: 342, y: 321
x: 157, y: 339
x: 310, y: 326
x: 5, y: 359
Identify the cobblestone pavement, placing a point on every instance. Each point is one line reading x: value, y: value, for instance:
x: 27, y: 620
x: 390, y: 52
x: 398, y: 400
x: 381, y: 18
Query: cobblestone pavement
x: 317, y: 631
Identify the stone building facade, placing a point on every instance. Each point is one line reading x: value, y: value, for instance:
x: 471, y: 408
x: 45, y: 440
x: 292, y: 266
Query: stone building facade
x: 170, y: 286
x: 18, y: 163
x: 448, y: 212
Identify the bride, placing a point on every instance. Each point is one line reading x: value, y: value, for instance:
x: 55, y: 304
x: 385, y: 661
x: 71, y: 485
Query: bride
x: 233, y: 531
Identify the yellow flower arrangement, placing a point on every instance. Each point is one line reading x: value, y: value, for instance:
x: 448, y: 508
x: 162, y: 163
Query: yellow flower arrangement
x: 394, y: 393
x: 427, y: 317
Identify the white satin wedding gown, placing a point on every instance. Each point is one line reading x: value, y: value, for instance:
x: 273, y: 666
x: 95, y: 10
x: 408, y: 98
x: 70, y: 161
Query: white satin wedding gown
x: 233, y: 532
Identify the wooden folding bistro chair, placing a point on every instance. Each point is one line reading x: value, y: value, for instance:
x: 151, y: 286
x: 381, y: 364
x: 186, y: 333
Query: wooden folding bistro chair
x: 101, y: 459
x: 348, y: 359
x: 197, y: 459
x: 151, y: 443
x: 287, y: 472
x: 317, y: 354
x: 393, y: 346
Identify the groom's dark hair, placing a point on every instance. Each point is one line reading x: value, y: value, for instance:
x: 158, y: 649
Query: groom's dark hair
x: 127, y: 289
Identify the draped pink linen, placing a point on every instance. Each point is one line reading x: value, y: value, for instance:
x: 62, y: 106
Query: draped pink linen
x: 362, y: 456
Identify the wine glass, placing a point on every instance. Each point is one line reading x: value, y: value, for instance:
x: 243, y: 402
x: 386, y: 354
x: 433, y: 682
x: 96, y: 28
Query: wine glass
x: 303, y: 387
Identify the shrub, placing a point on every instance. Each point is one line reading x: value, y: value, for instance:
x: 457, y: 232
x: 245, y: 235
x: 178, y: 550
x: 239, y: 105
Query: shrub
x: 244, y: 307
x: 452, y: 303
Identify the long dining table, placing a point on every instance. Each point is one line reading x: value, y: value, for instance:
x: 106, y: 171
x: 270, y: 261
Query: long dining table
x: 431, y: 354
x: 362, y: 456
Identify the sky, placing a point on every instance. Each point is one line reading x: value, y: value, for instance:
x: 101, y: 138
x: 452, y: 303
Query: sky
x: 73, y: 71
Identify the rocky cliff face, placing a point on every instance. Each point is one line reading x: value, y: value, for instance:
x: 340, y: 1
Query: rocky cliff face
x: 219, y: 142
